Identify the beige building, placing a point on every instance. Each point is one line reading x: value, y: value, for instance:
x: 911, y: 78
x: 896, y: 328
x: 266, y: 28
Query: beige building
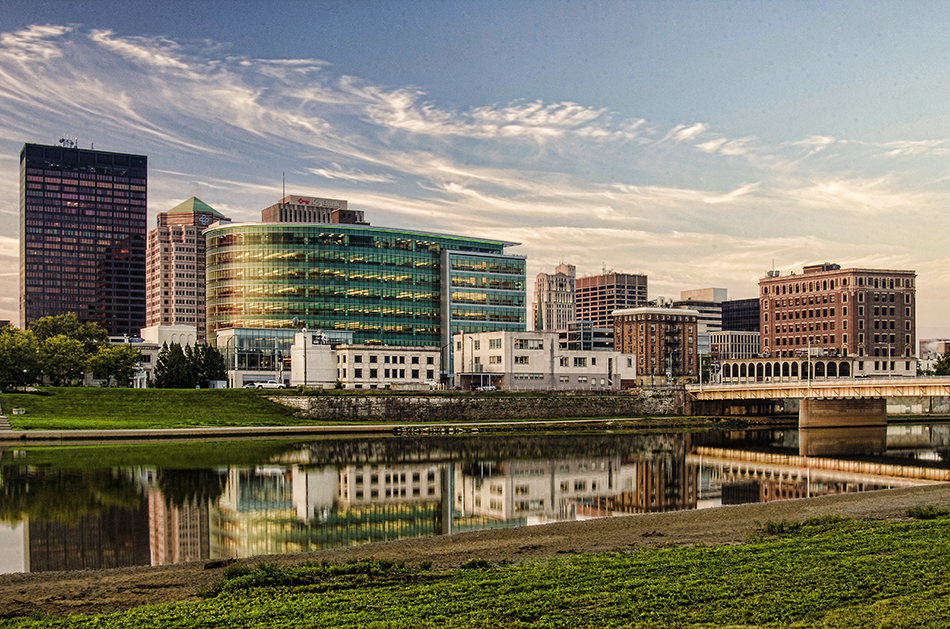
x: 175, y: 266
x: 534, y: 361
x: 665, y: 341
x: 553, y: 307
x: 841, y: 312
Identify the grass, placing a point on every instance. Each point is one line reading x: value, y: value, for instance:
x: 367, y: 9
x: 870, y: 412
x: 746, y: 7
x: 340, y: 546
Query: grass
x: 82, y: 408
x: 827, y: 573
x: 87, y: 408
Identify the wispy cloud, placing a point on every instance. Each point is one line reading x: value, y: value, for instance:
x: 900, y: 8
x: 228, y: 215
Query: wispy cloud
x: 338, y: 172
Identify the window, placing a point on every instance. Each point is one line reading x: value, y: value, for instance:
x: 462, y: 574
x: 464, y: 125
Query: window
x: 494, y: 360
x: 358, y: 358
x: 563, y: 362
x: 521, y: 360
x: 580, y: 362
x: 357, y: 373
x: 529, y: 344
x: 494, y: 343
x: 476, y: 344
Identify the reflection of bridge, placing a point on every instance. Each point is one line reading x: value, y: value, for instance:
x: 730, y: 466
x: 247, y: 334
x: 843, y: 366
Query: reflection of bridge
x: 841, y: 388
x: 790, y: 468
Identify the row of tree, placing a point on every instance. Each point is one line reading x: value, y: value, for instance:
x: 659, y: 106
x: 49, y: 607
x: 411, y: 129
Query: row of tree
x: 65, y: 349
x: 178, y: 368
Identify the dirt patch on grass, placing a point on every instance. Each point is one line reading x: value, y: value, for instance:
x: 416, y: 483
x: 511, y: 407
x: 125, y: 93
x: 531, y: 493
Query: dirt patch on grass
x: 91, y: 592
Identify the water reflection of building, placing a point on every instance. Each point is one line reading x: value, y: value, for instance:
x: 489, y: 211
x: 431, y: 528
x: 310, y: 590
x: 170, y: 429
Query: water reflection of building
x: 177, y: 533
x: 253, y: 514
x: 365, y: 484
x: 570, y: 489
x: 113, y: 537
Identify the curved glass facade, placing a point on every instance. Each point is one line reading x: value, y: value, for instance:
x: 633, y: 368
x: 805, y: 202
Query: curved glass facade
x: 386, y: 286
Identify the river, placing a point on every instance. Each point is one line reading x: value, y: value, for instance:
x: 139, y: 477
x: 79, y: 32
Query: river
x: 95, y: 507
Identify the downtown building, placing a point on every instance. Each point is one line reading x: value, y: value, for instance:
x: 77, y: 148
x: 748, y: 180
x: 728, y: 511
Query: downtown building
x: 175, y: 267
x: 378, y: 286
x: 553, y: 307
x: 827, y: 310
x: 83, y: 236
x: 598, y: 296
x: 665, y: 341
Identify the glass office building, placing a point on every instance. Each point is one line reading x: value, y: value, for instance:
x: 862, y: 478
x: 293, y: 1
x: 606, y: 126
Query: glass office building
x: 386, y: 286
x: 82, y: 236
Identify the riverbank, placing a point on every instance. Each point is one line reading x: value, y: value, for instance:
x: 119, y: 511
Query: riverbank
x: 90, y: 592
x: 81, y: 408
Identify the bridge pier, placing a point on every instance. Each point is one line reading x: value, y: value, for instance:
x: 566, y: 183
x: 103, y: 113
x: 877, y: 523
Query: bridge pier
x: 838, y: 413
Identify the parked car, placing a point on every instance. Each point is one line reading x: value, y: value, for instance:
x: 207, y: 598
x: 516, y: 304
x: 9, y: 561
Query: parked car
x: 268, y: 384
x: 487, y: 387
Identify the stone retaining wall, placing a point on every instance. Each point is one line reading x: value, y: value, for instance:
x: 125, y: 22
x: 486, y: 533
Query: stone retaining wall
x: 399, y: 408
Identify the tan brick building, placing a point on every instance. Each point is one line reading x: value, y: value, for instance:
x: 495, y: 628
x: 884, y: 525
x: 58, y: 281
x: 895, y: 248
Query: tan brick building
x: 839, y: 312
x: 175, y: 266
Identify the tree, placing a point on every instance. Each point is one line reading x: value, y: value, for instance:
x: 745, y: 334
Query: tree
x: 63, y: 359
x: 88, y: 333
x: 208, y: 364
x: 172, y: 369
x: 115, y: 361
x: 942, y: 366
x: 19, y: 356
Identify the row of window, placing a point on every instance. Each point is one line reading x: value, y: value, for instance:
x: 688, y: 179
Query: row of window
x: 373, y: 374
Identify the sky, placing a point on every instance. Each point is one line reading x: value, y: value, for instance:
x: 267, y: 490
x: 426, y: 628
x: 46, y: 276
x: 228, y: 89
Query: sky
x: 699, y: 143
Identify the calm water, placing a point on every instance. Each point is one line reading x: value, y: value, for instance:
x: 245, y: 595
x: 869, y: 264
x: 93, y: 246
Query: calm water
x: 100, y: 507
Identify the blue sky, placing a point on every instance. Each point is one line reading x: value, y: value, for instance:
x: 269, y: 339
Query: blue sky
x: 695, y: 142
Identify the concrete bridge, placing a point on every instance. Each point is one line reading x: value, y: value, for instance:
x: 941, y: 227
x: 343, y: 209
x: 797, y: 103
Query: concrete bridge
x: 923, y: 386
x: 825, y: 402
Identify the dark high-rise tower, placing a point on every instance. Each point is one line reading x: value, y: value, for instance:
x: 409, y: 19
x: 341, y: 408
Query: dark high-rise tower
x: 82, y: 236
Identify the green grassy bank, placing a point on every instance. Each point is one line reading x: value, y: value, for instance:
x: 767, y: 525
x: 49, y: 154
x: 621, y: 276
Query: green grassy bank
x: 83, y: 408
x: 830, y: 572
x: 86, y: 408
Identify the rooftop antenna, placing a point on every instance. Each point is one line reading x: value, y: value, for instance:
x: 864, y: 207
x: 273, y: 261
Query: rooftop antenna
x: 283, y: 185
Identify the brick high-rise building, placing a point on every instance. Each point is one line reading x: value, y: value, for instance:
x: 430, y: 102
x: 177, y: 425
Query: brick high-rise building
x: 553, y: 306
x: 846, y: 312
x: 665, y: 341
x: 82, y: 235
x: 597, y: 296
x: 176, y: 266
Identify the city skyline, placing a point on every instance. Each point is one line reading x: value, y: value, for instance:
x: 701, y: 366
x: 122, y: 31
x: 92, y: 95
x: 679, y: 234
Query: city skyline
x: 698, y: 145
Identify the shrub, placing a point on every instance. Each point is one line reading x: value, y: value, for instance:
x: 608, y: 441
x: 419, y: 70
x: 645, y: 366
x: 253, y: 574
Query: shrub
x: 927, y: 513
x: 476, y: 563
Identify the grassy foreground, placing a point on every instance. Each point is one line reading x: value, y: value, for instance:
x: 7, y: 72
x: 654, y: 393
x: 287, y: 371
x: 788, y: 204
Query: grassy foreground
x: 84, y: 408
x: 829, y: 572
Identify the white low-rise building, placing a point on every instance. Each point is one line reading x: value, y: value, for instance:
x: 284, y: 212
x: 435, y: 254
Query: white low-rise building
x: 533, y: 361
x: 361, y: 366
